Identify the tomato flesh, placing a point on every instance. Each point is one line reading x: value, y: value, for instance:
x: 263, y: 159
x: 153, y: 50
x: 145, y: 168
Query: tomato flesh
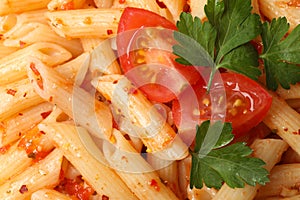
x: 137, y: 19
x: 247, y: 103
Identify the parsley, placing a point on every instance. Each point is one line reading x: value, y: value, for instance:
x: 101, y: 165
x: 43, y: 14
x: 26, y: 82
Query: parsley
x: 281, y: 56
x: 223, y: 42
x: 223, y: 163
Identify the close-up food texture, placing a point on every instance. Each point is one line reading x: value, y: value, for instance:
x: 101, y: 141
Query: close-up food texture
x: 149, y: 99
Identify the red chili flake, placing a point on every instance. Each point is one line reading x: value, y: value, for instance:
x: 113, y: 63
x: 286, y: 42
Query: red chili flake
x: 45, y: 114
x: 133, y: 91
x: 42, y: 132
x: 4, y: 149
x: 50, y: 98
x: 25, y: 94
x: 109, y: 32
x: 115, y: 81
x: 30, y: 142
x: 285, y: 129
x: 297, y: 133
x: 34, y: 70
x: 20, y: 114
x: 22, y: 44
x: 153, y: 183
x: 68, y: 6
x: 104, y: 197
x: 294, y: 3
x: 11, y: 92
x: 122, y: 1
x: 23, y: 189
x: 161, y: 4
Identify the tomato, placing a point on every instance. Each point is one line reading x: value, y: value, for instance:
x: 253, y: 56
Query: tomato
x: 142, y: 47
x: 246, y: 105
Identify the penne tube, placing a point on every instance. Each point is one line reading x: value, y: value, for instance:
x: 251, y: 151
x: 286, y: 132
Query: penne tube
x: 132, y: 168
x: 104, y: 60
x: 167, y: 171
x: 5, y: 50
x: 54, y: 5
x: 44, y: 174
x: 83, y: 23
x: 175, y: 7
x: 294, y: 103
x: 97, y: 174
x: 270, y: 151
x: 12, y: 22
x: 73, y: 100
x: 13, y: 66
x: 285, y: 121
x: 34, y: 32
x: 16, y: 97
x: 292, y: 93
x: 282, y: 177
x: 15, y: 126
x: 140, y: 118
x: 76, y: 69
x: 290, y: 156
x: 13, y: 162
x: 273, y: 9
x: 103, y: 3
x: 49, y: 194
x: 19, y: 6
x: 197, y: 8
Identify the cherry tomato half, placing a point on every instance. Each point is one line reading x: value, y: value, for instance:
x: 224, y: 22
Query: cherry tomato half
x: 138, y: 19
x: 247, y: 103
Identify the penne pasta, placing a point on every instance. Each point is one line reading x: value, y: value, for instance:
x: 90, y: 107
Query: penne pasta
x: 151, y: 127
x: 12, y: 22
x: 16, y: 97
x: 44, y: 174
x: 103, y: 3
x: 37, y: 32
x: 270, y: 151
x: 134, y: 170
x: 13, y: 66
x: 98, y: 174
x: 284, y: 121
x: 197, y: 8
x: 103, y: 59
x: 15, y: 126
x: 273, y: 9
x: 73, y: 100
x: 18, y: 6
x: 99, y: 23
x: 282, y: 177
x: 49, y: 194
x: 175, y: 7
x: 65, y: 4
x: 292, y: 93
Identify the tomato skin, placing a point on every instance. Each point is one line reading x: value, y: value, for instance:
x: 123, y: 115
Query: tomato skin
x: 136, y: 19
x: 247, y: 103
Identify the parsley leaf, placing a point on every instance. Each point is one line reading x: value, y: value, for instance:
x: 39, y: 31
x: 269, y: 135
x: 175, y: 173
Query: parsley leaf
x: 281, y: 56
x: 229, y: 29
x: 224, y: 163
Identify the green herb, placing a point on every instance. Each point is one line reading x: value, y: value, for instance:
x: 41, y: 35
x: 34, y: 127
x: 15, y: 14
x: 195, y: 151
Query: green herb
x: 224, y: 42
x: 223, y: 163
x: 224, y: 37
x: 281, y: 56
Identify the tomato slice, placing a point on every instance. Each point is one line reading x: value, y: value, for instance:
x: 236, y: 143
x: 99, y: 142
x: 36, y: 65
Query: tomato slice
x: 140, y: 47
x: 247, y: 103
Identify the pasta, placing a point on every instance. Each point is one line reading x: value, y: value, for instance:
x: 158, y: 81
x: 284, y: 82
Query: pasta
x: 73, y: 125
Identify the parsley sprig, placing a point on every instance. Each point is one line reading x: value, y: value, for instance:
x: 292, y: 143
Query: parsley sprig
x: 229, y: 163
x: 224, y: 42
x: 281, y: 55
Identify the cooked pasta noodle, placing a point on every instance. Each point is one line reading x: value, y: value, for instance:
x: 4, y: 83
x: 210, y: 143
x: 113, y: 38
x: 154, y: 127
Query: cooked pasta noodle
x: 73, y: 126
